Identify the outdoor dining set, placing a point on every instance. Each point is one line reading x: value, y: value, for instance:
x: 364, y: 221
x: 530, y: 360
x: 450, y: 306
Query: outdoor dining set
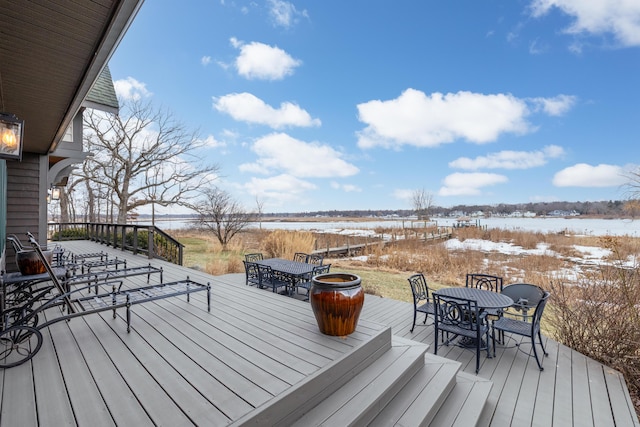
x: 478, y: 315
x: 288, y: 276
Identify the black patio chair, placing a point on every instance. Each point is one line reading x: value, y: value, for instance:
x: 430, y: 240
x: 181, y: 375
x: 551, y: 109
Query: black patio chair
x: 525, y: 329
x: 307, y: 282
x: 461, y: 317
x: 300, y: 257
x: 316, y: 259
x: 252, y: 274
x: 253, y: 257
x: 422, y: 301
x: 267, y: 279
x: 487, y: 282
x: 525, y: 298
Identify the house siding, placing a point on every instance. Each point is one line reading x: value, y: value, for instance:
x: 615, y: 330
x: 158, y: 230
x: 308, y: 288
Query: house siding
x: 26, y: 207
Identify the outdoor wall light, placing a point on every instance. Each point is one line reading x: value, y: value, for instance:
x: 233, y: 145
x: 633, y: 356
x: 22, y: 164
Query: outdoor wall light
x: 10, y: 136
x: 55, y: 193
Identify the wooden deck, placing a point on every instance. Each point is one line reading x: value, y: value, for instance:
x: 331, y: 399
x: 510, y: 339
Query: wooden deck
x: 252, y: 356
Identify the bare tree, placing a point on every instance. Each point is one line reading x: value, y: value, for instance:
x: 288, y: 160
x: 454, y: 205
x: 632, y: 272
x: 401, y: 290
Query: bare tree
x: 422, y: 201
x: 141, y: 157
x: 219, y: 213
x: 259, y: 210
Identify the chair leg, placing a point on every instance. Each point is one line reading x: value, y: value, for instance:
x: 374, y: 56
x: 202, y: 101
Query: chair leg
x: 544, y: 350
x: 415, y: 313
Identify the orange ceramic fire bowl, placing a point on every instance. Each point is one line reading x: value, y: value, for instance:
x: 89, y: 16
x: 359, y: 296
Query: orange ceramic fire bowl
x: 336, y: 300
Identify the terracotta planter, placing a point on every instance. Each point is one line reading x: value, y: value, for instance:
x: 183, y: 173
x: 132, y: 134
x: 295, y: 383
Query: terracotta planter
x: 336, y: 300
x: 29, y: 263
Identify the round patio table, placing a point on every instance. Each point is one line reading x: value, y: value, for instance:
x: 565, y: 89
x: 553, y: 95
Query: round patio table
x: 485, y: 299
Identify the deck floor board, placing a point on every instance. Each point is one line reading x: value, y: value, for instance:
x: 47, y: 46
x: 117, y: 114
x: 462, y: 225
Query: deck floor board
x: 182, y: 365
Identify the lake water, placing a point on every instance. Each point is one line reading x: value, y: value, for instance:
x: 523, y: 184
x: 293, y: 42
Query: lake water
x: 592, y: 227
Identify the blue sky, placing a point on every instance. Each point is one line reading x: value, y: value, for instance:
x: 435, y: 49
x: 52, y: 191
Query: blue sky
x: 321, y: 105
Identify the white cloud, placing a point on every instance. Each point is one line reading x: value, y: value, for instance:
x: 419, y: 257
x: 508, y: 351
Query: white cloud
x: 347, y: 188
x: 279, y: 190
x: 403, y: 194
x: 281, y: 152
x: 211, y: 142
x: 469, y: 184
x: 584, y: 175
x: 509, y: 159
x: 249, y: 108
x: 283, y: 13
x: 428, y: 121
x: 131, y: 89
x: 556, y: 106
x: 263, y: 62
x: 205, y: 60
x: 618, y: 17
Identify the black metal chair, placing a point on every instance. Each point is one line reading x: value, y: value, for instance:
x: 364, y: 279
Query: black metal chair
x: 461, y: 317
x: 253, y: 257
x: 422, y: 301
x: 300, y: 257
x: 487, y: 282
x: 306, y: 283
x: 525, y: 298
x: 526, y: 329
x: 267, y: 279
x: 316, y: 259
x: 252, y: 274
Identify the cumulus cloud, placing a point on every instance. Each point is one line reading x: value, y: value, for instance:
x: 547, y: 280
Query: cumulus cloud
x: 211, y: 142
x: 584, y: 175
x: 618, y: 17
x: 205, y: 60
x: 249, y: 108
x: 279, y: 190
x: 403, y: 194
x: 509, y: 159
x: 556, y: 106
x: 415, y: 118
x: 280, y: 152
x: 131, y: 89
x: 283, y: 13
x: 263, y: 62
x: 469, y: 184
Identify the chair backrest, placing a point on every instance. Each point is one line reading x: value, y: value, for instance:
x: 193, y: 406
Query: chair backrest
x: 300, y: 257
x: 316, y: 259
x: 487, y: 282
x: 265, y: 274
x: 524, y: 295
x: 419, y: 288
x: 456, y: 312
x: 253, y: 257
x: 251, y: 270
x: 537, y: 315
x: 320, y: 269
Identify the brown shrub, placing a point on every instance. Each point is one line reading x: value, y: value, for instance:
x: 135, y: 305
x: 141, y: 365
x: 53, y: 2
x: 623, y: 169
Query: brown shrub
x: 284, y: 244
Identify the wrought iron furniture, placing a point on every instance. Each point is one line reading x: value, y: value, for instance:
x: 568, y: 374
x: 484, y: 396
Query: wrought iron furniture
x: 484, y: 281
x: 291, y: 272
x: 306, y: 282
x: 525, y: 297
x: 253, y: 257
x: 252, y: 275
x: 268, y: 279
x: 526, y: 329
x: 316, y: 259
x: 422, y: 301
x: 300, y: 257
x: 461, y: 317
x: 20, y: 334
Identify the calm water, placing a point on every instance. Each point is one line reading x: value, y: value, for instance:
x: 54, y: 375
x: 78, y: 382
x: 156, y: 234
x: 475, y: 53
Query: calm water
x: 593, y: 227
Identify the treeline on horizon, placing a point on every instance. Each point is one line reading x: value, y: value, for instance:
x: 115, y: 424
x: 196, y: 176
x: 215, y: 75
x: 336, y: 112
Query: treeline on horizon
x: 611, y: 208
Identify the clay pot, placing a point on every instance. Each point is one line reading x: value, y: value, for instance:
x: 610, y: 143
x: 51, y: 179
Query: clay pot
x: 29, y: 263
x: 336, y: 300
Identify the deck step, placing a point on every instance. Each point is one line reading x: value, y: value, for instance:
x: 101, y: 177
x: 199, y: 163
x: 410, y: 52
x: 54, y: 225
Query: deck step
x: 465, y: 402
x: 360, y: 400
x: 301, y: 398
x: 420, y: 400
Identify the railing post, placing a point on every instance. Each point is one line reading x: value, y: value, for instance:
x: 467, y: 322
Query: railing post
x: 124, y: 236
x: 150, y: 242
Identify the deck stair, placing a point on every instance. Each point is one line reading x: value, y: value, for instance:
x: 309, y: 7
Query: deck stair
x: 402, y: 385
